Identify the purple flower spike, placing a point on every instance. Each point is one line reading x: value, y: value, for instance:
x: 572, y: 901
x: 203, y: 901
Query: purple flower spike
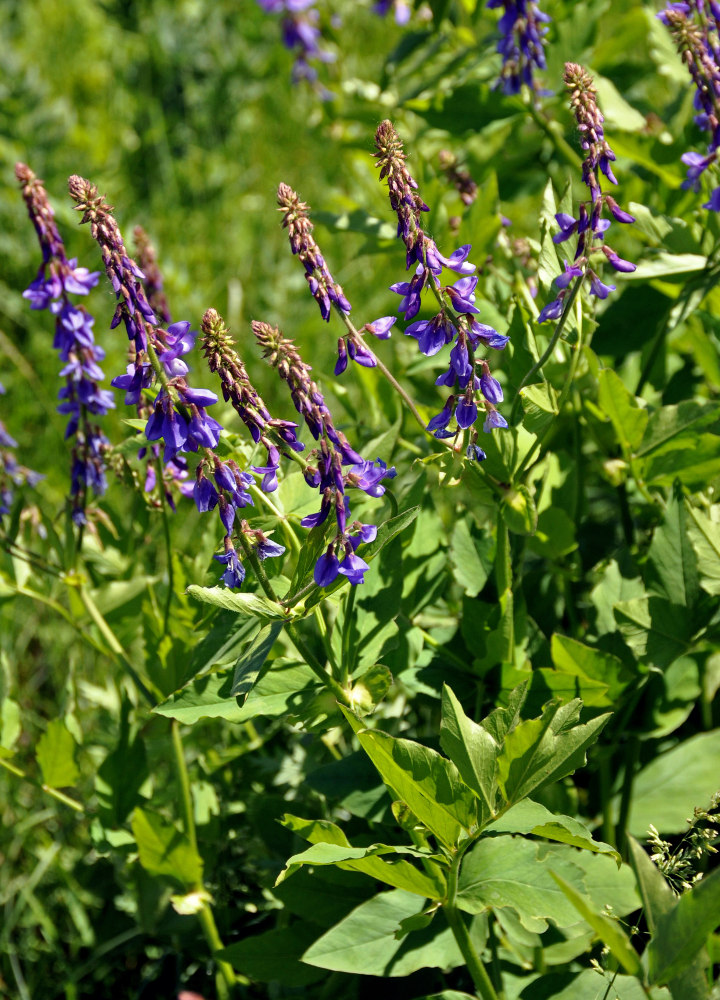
x: 568, y: 225
x: 624, y: 266
x: 81, y: 397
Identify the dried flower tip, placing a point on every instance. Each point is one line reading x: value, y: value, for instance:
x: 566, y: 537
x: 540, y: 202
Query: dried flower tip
x: 323, y: 287
x: 583, y: 104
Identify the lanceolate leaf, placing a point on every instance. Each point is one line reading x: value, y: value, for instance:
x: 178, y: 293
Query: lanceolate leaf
x: 251, y: 605
x: 705, y: 539
x: 250, y: 664
x: 628, y: 420
x: 683, y: 931
x: 540, y: 751
x: 473, y: 751
x: 672, y: 568
x: 609, y: 931
x: 427, y: 782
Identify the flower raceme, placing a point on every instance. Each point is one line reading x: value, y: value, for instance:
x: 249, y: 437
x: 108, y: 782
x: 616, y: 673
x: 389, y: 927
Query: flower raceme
x: 81, y: 396
x: 696, y: 33
x: 179, y: 417
x: 325, y: 290
x: 326, y: 470
x: 590, y: 226
x: 523, y: 27
x: 455, y: 324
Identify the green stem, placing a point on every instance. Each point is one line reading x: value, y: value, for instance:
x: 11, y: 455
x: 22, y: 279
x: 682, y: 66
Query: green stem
x: 345, y: 661
x: 560, y: 144
x: 386, y: 373
x: 258, y: 568
x: 564, y: 393
x: 287, y: 527
x: 316, y: 666
x: 503, y: 580
x: 205, y: 915
x: 631, y: 758
x: 551, y: 346
x: 477, y: 970
x: 114, y: 645
x: 168, y: 543
x: 60, y: 796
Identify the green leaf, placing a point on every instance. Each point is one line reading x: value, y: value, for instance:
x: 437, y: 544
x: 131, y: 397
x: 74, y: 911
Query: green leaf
x: 274, y: 956
x: 654, y: 629
x: 628, y: 420
x: 694, y: 462
x: 10, y: 727
x: 554, y: 535
x: 519, y: 511
x: 56, y: 755
x: 618, y: 114
x: 705, y: 539
x: 609, y: 931
x: 165, y: 850
x: 668, y: 265
x: 577, y: 659
x: 588, y: 985
x: 668, y: 789
x: 682, y: 932
x: 365, y: 942
x: 658, y: 901
x: 528, y: 817
x: 470, y: 558
x: 428, y: 783
x: 398, y: 873
x: 540, y: 751
x: 122, y: 774
x: 508, y: 871
x: 252, y: 660
x: 370, y: 688
x: 473, y: 751
x: 672, y: 569
x: 206, y: 697
x: 670, y: 424
x: 251, y: 605
x: 539, y: 403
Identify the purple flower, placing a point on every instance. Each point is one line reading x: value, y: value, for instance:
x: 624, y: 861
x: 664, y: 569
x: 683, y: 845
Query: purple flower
x: 714, y: 202
x: 440, y: 421
x: 367, y: 476
x: 491, y: 388
x: 571, y: 271
x: 235, y: 571
x: 462, y: 295
x: 493, y: 420
x: 553, y: 310
x: 474, y: 453
x: 354, y: 568
x: 380, y: 328
x: 326, y: 568
x: 466, y: 412
x: 521, y: 45
x: 137, y: 378
x: 487, y: 335
x: 599, y: 289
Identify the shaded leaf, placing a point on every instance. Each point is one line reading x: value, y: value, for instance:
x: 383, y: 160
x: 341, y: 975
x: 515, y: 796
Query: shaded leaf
x: 528, y: 817
x: 56, y: 755
x: 251, y: 605
x: 165, y: 850
x: 252, y: 660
